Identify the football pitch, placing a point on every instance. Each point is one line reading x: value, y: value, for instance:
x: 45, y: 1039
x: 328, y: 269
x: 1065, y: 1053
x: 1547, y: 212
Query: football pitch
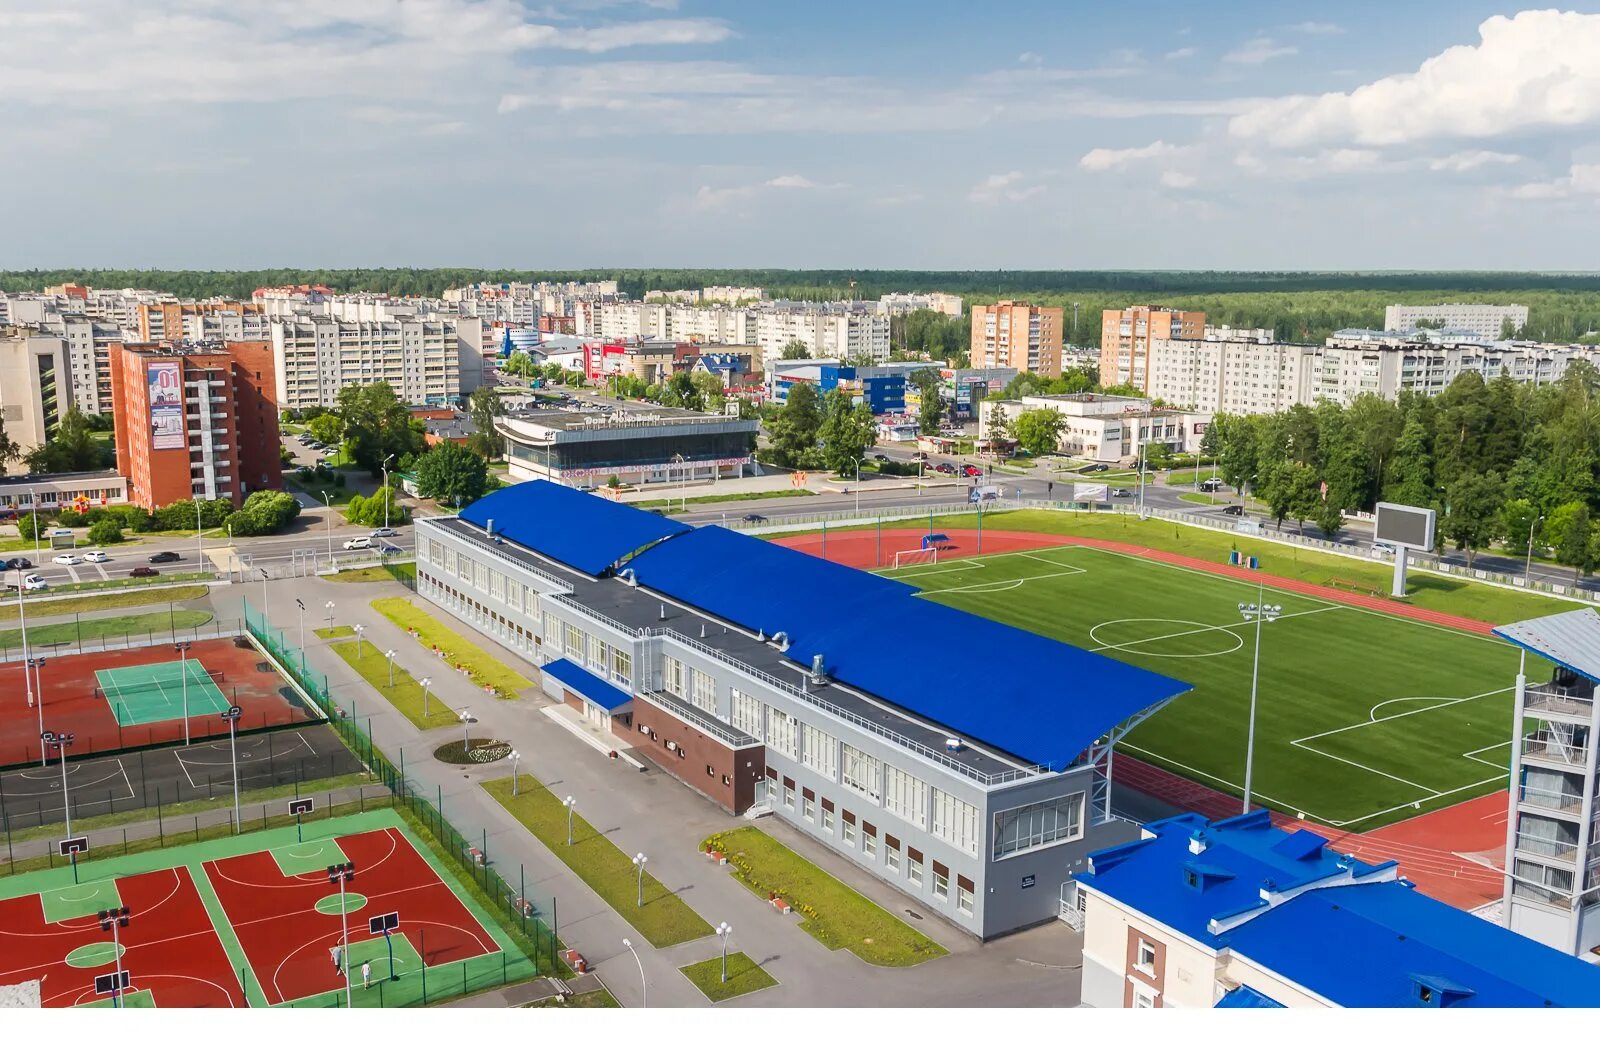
x: 1363, y: 718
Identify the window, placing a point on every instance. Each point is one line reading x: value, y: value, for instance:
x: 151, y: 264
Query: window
x: 710, y: 770
x: 807, y: 806
x: 964, y: 895
x: 848, y: 833
x: 552, y: 631
x: 781, y: 732
x: 788, y: 794
x: 941, y: 881
x: 621, y: 667
x: 905, y: 795
x: 672, y: 677
x: 514, y: 594
x: 480, y: 575
x: 747, y: 714
x: 827, y: 815
x: 1146, y: 958
x: 860, y: 771
x: 1027, y: 827
x: 891, y: 856
x: 574, y: 642
x: 869, y: 841
x: 1143, y: 998
x: 955, y: 821
x: 436, y: 553
x: 703, y: 692
x: 820, y: 752
x: 497, y: 586
x: 598, y: 653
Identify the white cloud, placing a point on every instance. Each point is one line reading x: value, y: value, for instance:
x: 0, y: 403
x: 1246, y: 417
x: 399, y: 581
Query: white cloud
x: 1030, y: 58
x: 1463, y: 161
x: 1536, y: 69
x: 1259, y: 50
x: 1004, y: 188
x: 1102, y: 159
x: 1582, y: 181
x: 1178, y: 179
x: 1182, y: 53
x: 708, y: 197
x: 1316, y: 29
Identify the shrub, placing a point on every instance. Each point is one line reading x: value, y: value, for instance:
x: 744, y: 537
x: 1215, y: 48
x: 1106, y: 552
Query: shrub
x: 71, y: 518
x: 104, y: 532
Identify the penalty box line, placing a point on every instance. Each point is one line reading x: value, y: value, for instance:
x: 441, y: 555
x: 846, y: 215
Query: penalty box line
x: 1204, y: 628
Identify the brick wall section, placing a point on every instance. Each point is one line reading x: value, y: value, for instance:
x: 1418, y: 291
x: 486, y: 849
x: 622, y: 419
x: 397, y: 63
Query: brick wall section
x: 724, y: 775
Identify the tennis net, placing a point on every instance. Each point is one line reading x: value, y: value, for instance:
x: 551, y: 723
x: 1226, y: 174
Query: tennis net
x: 175, y: 685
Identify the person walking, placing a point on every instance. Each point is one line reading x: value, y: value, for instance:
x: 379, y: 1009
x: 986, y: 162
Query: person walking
x: 338, y: 959
x: 366, y: 974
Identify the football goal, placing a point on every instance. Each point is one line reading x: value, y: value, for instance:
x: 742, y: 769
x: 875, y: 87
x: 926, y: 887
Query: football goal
x: 923, y: 555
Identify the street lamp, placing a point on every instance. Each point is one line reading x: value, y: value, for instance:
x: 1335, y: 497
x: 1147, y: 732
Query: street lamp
x: 389, y: 656
x: 1527, y: 569
x: 858, y: 485
x: 38, y: 683
x: 339, y: 874
x: 199, y: 541
x: 232, y: 714
x: 424, y: 684
x: 27, y: 677
x: 264, y: 610
x: 114, y: 919
x: 302, y: 614
x: 683, y: 468
x: 639, y: 862
x: 1259, y: 613
x: 61, y: 742
x: 466, y: 740
x: 644, y: 985
x: 569, y: 802
x: 329, y: 519
x: 329, y: 607
x: 34, y: 495
x: 724, y: 932
x: 516, y: 762
x: 183, y: 667
x: 386, y: 462
x: 360, y: 646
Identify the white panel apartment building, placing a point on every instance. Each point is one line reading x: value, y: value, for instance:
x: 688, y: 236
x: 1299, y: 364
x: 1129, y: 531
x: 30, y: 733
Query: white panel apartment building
x: 316, y: 356
x: 1483, y: 320
x: 852, y: 332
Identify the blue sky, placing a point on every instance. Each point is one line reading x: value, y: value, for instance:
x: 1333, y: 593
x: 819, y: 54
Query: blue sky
x: 580, y: 133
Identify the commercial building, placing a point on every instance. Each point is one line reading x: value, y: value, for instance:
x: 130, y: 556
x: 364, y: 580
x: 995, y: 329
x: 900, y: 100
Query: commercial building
x: 636, y: 444
x: 1238, y: 913
x: 1126, y: 337
x: 1105, y: 427
x: 881, y: 387
x: 1483, y: 320
x: 34, y: 386
x: 56, y: 491
x: 316, y: 356
x: 727, y: 662
x: 195, y: 420
x: 1017, y: 336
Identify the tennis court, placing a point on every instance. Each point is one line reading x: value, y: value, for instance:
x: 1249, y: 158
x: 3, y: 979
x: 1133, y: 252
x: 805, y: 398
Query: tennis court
x: 154, y: 693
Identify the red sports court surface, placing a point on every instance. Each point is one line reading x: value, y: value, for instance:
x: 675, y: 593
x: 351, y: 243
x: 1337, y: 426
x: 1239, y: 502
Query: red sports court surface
x: 172, y: 952
x: 288, y: 939
x: 247, y: 680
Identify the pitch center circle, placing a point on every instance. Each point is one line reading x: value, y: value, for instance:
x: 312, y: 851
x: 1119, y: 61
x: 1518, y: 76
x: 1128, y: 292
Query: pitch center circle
x: 1149, y: 639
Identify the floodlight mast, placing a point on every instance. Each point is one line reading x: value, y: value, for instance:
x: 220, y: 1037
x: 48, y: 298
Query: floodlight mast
x: 1261, y: 613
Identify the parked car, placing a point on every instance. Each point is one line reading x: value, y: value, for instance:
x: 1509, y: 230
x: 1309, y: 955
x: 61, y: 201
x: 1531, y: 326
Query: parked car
x: 382, y: 533
x: 96, y: 557
x: 143, y: 570
x: 1233, y: 511
x: 880, y: 457
x: 971, y: 470
x: 1122, y: 492
x: 1213, y: 484
x: 67, y: 559
x: 19, y: 563
x: 34, y: 582
x: 944, y: 466
x: 386, y: 548
x: 360, y: 542
x: 754, y: 518
x: 163, y: 556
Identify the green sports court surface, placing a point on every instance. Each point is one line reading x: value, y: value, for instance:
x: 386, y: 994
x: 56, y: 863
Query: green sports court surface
x: 1364, y: 718
x: 153, y: 693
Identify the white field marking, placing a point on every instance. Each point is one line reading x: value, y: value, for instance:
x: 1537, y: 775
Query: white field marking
x: 1364, y: 767
x: 1192, y: 631
x: 1497, y: 779
x: 1235, y: 787
x: 185, y: 768
x: 993, y: 587
x: 1046, y: 560
x: 1443, y: 703
x: 960, y: 564
x: 1473, y: 755
x: 1294, y: 594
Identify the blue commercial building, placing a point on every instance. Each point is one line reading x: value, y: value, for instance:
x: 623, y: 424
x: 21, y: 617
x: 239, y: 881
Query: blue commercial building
x: 1242, y: 913
x: 881, y: 387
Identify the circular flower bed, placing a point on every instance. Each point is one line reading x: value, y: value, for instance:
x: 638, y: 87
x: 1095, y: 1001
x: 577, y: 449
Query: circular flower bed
x: 478, y: 751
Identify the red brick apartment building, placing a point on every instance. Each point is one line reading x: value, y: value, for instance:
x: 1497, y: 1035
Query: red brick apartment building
x: 195, y: 420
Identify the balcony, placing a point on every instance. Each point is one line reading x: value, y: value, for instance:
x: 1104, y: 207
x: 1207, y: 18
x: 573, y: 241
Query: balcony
x: 1548, y: 747
x: 1552, y: 848
x: 1574, y: 699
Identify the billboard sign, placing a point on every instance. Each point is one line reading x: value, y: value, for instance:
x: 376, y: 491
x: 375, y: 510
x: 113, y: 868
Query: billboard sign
x: 1407, y: 526
x: 1089, y: 492
x: 165, y: 383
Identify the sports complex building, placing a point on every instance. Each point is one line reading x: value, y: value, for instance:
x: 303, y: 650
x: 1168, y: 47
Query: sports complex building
x: 761, y: 676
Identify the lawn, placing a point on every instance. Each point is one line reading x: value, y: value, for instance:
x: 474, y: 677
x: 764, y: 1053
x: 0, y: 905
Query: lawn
x: 670, y: 504
x: 833, y: 913
x: 338, y: 631
x: 664, y: 919
x: 95, y: 629
x: 375, y: 574
x: 1364, y: 718
x: 459, y: 652
x: 1198, y: 499
x: 1182, y: 477
x: 595, y: 998
x: 92, y: 603
x: 67, y: 587
x: 744, y: 976
x: 407, y: 695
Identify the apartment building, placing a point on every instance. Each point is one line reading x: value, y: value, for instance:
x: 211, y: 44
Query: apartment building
x: 854, y: 332
x: 1105, y: 427
x: 195, y: 420
x: 1239, y: 913
x: 34, y: 390
x: 716, y: 293
x: 1236, y: 376
x: 1482, y: 320
x: 1126, y: 336
x: 1020, y: 336
x: 905, y: 302
x: 88, y: 342
x: 757, y: 691
x: 317, y: 355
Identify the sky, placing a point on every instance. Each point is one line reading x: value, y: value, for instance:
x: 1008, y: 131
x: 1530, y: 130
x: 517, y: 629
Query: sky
x: 916, y: 134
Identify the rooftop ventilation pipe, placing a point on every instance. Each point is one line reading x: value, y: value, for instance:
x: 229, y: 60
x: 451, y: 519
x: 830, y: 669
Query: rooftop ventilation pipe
x: 781, y: 640
x: 628, y: 577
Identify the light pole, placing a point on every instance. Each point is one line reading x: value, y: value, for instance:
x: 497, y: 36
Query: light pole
x: 38, y: 683
x: 683, y: 468
x: 638, y: 863
x: 114, y: 919
x: 1527, y: 569
x: 61, y: 742
x: 199, y: 541
x: 569, y: 802
x: 858, y: 485
x: 644, y: 985
x: 1260, y: 613
x: 232, y: 714
x: 27, y: 677
x: 301, y: 607
x: 183, y: 678
x: 360, y: 646
x: 264, y: 610
x: 466, y: 735
x: 329, y: 519
x: 424, y: 684
x: 340, y: 874
x: 386, y: 462
x: 389, y: 656
x: 516, y: 762
x: 724, y: 932
x: 329, y: 607
x: 37, y: 560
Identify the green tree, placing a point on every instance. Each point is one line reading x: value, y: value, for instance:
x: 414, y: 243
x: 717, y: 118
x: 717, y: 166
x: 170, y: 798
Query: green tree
x: 1574, y: 547
x: 485, y: 406
x: 1520, y: 525
x: 847, y: 431
x: 31, y: 527
x: 999, y: 426
x: 104, y: 532
x: 795, y: 349
x: 327, y: 429
x: 1038, y: 430
x: 519, y: 364
x: 930, y: 411
x: 264, y: 513
x: 792, y: 427
x: 72, y: 447
x: 1473, y: 505
x: 377, y: 424
x: 1410, y: 478
x: 1233, y: 442
x: 452, y: 474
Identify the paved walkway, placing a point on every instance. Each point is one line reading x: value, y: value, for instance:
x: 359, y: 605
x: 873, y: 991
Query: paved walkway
x: 653, y: 813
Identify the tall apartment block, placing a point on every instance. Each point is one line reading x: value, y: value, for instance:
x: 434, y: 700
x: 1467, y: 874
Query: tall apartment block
x: 1552, y: 864
x: 33, y: 391
x: 1126, y: 335
x: 1017, y: 336
x: 317, y: 355
x: 195, y: 420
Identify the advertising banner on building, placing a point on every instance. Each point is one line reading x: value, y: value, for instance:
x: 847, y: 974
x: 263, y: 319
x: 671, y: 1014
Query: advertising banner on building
x: 165, y: 383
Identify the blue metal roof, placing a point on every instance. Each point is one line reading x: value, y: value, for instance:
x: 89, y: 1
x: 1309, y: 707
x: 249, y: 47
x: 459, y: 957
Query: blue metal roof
x: 1047, y: 704
x: 586, y: 685
x: 582, y: 530
x: 1245, y: 997
x: 1354, y: 934
x: 1570, y: 639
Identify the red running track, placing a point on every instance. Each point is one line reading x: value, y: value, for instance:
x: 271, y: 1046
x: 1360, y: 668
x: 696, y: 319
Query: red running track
x: 170, y: 947
x: 1432, y: 850
x: 287, y: 940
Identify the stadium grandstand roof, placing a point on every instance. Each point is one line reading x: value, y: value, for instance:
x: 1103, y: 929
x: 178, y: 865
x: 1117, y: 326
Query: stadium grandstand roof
x: 1350, y: 932
x: 580, y: 530
x: 1570, y: 639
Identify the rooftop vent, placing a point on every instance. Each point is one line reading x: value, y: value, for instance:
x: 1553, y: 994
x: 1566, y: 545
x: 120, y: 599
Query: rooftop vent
x: 953, y: 744
x: 819, y: 672
x: 781, y: 641
x: 1197, y: 842
x: 488, y: 527
x: 628, y: 577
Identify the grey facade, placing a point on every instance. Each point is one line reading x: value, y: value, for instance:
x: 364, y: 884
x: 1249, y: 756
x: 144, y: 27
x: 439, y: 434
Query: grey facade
x: 974, y: 835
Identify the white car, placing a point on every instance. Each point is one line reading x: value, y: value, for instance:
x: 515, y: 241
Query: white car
x: 34, y: 582
x: 362, y: 542
x: 382, y: 533
x: 68, y: 559
x: 96, y: 557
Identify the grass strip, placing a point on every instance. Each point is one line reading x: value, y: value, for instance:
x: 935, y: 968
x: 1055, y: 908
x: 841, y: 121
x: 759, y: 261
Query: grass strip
x: 105, y: 627
x: 744, y: 976
x: 457, y: 650
x: 834, y: 914
x: 423, y: 709
x: 664, y: 919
